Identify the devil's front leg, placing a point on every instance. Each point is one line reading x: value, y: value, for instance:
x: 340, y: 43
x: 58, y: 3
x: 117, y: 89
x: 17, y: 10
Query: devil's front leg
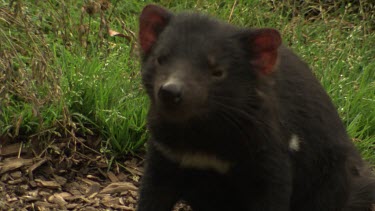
x: 267, y: 184
x: 159, y: 185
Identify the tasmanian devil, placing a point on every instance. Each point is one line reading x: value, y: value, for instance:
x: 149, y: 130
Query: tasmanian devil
x: 239, y: 122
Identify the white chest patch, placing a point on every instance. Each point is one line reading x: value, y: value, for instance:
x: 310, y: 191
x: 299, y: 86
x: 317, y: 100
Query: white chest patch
x: 196, y: 160
x: 294, y: 143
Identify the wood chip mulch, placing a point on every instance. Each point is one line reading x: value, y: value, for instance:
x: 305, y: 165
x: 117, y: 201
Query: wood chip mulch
x: 58, y: 178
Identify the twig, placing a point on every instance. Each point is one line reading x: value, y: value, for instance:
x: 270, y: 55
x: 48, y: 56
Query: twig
x: 231, y: 11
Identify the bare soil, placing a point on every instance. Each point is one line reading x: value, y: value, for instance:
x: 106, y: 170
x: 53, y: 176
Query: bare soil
x: 67, y: 176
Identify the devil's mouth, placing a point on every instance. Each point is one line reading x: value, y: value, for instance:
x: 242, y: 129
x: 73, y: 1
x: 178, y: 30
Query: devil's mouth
x: 180, y: 113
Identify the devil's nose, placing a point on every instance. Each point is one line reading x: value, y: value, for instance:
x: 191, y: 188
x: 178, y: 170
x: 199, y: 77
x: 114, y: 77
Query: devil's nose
x: 170, y: 94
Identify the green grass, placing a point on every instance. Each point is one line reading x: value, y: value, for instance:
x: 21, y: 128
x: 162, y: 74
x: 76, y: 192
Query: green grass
x: 93, y: 78
x: 65, y: 76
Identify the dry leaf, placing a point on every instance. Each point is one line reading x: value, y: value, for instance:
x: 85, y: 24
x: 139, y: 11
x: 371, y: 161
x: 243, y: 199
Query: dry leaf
x: 113, y: 33
x: 118, y: 187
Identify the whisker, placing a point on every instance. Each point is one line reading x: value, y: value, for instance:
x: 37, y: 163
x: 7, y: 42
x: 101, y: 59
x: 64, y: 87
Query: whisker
x: 242, y: 114
x: 234, y: 122
x: 231, y: 98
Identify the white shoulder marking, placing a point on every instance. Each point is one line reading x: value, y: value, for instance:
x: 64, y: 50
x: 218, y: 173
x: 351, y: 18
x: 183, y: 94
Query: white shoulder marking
x: 294, y: 143
x: 203, y: 160
x: 197, y: 160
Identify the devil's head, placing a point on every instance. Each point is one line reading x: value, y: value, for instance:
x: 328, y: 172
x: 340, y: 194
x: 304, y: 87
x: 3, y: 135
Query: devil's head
x: 194, y: 65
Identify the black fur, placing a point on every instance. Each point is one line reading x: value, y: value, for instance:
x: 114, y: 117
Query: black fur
x: 245, y: 118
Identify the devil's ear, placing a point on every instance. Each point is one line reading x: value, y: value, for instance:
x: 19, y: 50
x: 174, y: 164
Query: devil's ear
x: 152, y: 22
x: 263, y: 45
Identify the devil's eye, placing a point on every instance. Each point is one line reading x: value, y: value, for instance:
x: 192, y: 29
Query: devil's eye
x: 218, y: 73
x: 160, y: 60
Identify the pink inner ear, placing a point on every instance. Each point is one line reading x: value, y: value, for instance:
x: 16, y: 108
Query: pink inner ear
x: 267, y: 39
x: 152, y: 20
x: 266, y: 61
x: 265, y: 43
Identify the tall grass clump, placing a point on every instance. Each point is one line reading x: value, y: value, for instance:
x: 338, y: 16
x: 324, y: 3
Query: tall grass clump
x: 69, y: 73
x: 30, y: 81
